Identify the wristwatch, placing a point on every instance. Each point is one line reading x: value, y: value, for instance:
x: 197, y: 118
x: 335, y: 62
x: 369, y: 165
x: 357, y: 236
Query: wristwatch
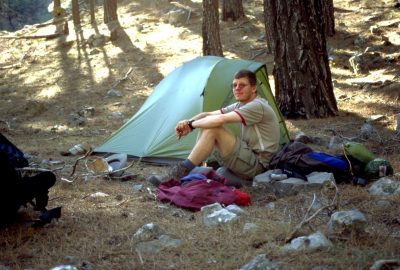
x: 189, y: 123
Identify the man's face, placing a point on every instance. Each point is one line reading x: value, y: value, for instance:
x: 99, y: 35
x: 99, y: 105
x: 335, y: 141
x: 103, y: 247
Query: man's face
x: 242, y: 90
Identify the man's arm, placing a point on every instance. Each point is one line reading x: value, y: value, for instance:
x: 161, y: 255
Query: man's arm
x: 216, y: 120
x: 206, y: 120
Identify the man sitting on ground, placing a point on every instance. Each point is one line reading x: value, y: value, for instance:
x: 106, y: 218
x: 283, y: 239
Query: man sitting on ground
x: 246, y: 156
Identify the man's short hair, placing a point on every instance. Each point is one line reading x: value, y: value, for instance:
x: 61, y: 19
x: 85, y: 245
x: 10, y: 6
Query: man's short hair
x: 245, y: 73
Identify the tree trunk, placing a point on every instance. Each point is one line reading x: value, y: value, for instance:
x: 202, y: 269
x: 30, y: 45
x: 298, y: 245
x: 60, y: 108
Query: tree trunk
x: 76, y: 18
x: 329, y: 18
x: 92, y: 6
x: 303, y: 81
x: 56, y: 4
x: 210, y: 29
x: 110, y: 11
x: 232, y: 9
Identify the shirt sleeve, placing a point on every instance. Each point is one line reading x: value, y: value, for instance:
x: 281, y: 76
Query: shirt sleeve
x: 251, y: 113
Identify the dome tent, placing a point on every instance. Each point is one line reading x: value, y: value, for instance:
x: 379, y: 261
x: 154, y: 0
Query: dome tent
x: 202, y: 84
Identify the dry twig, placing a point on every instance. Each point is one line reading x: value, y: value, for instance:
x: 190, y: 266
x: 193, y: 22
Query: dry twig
x: 76, y: 162
x: 307, y: 219
x: 124, y: 78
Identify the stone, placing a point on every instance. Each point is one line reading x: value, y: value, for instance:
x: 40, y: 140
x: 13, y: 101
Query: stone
x: 235, y: 209
x: 249, y: 227
x: 320, y: 178
x: 335, y: 143
x: 264, y: 178
x: 261, y: 262
x: 157, y: 245
x: 218, y: 217
x: 385, y: 186
x: 64, y: 267
x: 289, y: 187
x: 386, y: 264
x: 347, y: 222
x: 310, y: 242
x: 148, y: 232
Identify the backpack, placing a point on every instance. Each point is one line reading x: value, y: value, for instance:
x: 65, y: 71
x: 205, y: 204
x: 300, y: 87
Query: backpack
x: 298, y: 160
x: 17, y: 191
x: 16, y: 156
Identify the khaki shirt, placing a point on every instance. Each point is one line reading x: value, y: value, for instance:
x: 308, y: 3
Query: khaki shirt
x: 259, y: 127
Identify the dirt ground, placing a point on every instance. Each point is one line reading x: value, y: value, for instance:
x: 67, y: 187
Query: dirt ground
x: 46, y: 84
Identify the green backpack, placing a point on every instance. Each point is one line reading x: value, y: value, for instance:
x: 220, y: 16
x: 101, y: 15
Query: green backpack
x: 359, y: 152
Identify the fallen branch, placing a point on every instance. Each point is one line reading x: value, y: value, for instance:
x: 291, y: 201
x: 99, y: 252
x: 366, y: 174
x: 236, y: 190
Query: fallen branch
x: 308, y: 219
x: 258, y: 54
x: 11, y: 66
x: 34, y: 169
x: 33, y: 37
x: 76, y: 162
x: 124, y: 78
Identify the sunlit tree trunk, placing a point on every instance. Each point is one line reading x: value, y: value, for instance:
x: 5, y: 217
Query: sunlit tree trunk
x: 92, y: 6
x: 76, y: 18
x: 110, y: 11
x: 210, y: 29
x: 303, y: 81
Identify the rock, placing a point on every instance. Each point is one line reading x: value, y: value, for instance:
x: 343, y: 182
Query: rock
x: 386, y: 265
x: 265, y: 178
x: 289, y: 187
x: 366, y: 131
x: 270, y: 206
x: 177, y: 16
x: 310, y: 242
x: 303, y: 138
x: 64, y: 267
x: 375, y: 30
x: 86, y: 111
x: 147, y: 232
x: 218, y: 217
x: 157, y: 245
x: 357, y: 64
x: 249, y: 227
x: 335, y: 143
x: 114, y: 93
x: 261, y: 262
x: 347, y: 222
x: 235, y: 209
x: 138, y: 187
x: 320, y: 177
x: 385, y: 186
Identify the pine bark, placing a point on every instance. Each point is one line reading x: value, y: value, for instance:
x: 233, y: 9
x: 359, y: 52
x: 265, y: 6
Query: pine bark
x: 92, y: 6
x: 329, y: 17
x: 110, y: 11
x: 232, y: 9
x: 210, y: 29
x: 303, y: 80
x: 76, y: 18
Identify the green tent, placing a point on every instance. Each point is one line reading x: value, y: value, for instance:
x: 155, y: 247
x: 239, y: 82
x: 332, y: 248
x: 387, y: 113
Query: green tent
x: 202, y: 84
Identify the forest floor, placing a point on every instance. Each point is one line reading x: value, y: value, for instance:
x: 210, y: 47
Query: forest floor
x: 46, y: 83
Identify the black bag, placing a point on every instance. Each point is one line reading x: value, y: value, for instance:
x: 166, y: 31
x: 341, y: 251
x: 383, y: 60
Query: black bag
x: 17, y: 191
x: 298, y: 160
x: 15, y: 155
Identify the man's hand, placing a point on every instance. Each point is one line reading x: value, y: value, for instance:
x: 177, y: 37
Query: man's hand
x: 182, y: 129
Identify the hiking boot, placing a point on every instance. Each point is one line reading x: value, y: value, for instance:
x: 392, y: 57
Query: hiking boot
x: 178, y: 171
x: 155, y: 180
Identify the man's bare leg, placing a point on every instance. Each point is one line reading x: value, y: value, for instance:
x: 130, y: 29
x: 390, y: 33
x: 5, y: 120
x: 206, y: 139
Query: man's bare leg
x: 208, y: 140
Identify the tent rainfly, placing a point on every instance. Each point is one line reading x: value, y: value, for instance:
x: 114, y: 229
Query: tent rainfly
x: 202, y: 84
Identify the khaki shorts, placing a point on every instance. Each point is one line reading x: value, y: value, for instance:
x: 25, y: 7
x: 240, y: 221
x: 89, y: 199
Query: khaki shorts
x: 242, y: 161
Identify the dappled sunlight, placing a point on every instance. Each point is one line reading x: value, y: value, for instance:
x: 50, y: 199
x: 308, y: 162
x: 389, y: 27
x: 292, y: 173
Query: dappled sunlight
x: 49, y: 92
